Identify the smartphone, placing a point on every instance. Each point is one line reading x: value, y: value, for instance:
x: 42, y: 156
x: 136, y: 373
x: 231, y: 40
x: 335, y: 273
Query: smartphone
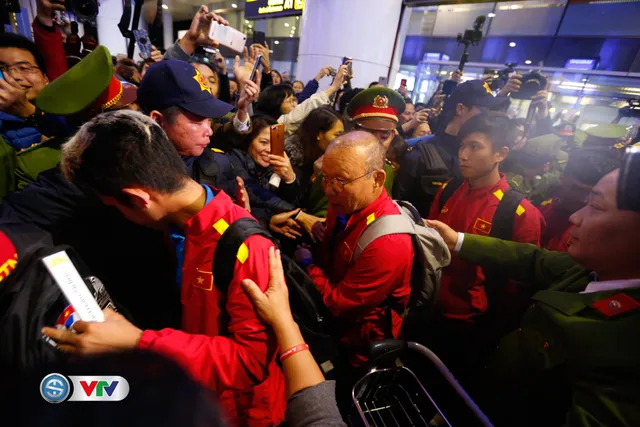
x: 277, y: 140
x: 259, y: 37
x: 228, y: 36
x: 143, y: 42
x: 255, y: 67
x: 403, y: 83
x: 344, y: 61
x: 384, y: 81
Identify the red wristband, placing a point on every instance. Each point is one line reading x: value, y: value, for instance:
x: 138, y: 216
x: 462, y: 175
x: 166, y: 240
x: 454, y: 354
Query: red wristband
x: 293, y: 350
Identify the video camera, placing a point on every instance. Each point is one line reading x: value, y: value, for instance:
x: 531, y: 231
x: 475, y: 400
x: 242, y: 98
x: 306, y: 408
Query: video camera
x: 500, y: 77
x: 469, y: 38
x: 631, y: 110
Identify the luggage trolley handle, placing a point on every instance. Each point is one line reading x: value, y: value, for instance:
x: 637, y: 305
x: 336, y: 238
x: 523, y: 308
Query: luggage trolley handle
x: 391, y: 349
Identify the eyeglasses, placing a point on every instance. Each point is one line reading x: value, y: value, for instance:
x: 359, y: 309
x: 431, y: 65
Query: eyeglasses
x: 381, y: 134
x: 20, y: 67
x: 338, y: 185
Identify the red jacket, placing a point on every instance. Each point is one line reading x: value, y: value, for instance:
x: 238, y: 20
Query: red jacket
x: 356, y: 291
x: 49, y: 43
x: 471, y: 211
x: 222, y: 343
x: 556, y: 236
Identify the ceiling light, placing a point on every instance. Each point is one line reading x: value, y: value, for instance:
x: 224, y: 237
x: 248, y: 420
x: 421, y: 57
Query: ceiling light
x: 270, y: 51
x: 512, y: 44
x: 246, y: 22
x: 528, y: 62
x: 584, y: 80
x: 276, y: 42
x: 297, y: 17
x: 491, y: 15
x: 286, y: 24
x: 290, y: 35
x: 293, y: 28
x: 165, y: 7
x: 233, y: 5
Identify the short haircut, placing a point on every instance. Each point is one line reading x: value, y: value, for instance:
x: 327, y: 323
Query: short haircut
x: 375, y: 150
x: 397, y: 149
x: 10, y: 40
x: 420, y: 105
x: 590, y: 165
x: 408, y: 101
x: 123, y: 149
x: 258, y: 123
x: 374, y: 83
x: 496, y: 126
x: 272, y: 98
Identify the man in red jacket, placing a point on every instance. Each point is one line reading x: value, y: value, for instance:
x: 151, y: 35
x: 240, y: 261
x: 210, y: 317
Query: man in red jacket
x: 129, y: 161
x: 485, y: 142
x: 585, y: 168
x: 363, y: 293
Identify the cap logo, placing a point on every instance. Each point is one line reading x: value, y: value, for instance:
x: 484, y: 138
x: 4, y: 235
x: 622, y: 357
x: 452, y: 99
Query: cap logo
x: 487, y: 88
x: 380, y: 101
x: 202, y: 82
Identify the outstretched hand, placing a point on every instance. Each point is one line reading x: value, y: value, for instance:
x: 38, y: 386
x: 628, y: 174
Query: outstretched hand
x: 448, y: 234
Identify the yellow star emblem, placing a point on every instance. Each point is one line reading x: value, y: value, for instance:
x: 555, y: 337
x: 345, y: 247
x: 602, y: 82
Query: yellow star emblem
x: 201, y: 81
x: 200, y: 280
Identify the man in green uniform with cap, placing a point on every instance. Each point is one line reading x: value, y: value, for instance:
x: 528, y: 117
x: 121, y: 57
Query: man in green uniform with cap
x: 84, y: 91
x: 575, y: 361
x: 533, y: 176
x: 376, y: 111
x: 605, y: 135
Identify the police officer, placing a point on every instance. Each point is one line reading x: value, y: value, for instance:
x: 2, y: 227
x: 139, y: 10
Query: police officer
x: 575, y: 360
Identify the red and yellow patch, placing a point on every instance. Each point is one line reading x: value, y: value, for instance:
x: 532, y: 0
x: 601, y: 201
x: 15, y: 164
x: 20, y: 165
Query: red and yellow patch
x: 481, y: 226
x: 616, y: 305
x: 201, y: 81
x: 204, y: 280
x: 8, y: 256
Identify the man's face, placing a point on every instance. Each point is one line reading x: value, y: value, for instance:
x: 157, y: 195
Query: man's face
x: 408, y: 114
x: 604, y: 238
x: 477, y: 156
x: 572, y: 194
x: 385, y: 136
x: 233, y: 88
x: 210, y: 77
x: 423, y: 129
x: 22, y: 65
x: 151, y: 216
x: 188, y: 133
x: 220, y: 61
x: 346, y: 165
x: 465, y: 113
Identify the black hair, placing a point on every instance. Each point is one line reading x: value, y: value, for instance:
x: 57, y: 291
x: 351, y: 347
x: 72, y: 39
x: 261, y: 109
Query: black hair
x: 519, y: 121
x: 373, y: 83
x: 347, y: 96
x: 298, y: 81
x: 271, y: 99
x: 408, y: 101
x: 590, y: 165
x: 397, y: 149
x: 420, y: 105
x: 123, y: 149
x: 258, y: 123
x: 279, y: 75
x: 11, y: 40
x: 496, y: 126
x: 319, y: 120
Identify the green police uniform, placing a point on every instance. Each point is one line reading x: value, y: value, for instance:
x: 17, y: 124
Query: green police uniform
x: 575, y: 361
x: 605, y: 135
x: 538, y: 151
x: 88, y: 87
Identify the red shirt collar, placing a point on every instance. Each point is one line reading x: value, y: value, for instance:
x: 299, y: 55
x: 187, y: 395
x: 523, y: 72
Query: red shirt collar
x: 356, y: 217
x: 213, y: 211
x: 502, y: 184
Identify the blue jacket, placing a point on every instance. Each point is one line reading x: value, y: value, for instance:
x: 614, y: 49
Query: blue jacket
x: 19, y: 135
x: 308, y: 91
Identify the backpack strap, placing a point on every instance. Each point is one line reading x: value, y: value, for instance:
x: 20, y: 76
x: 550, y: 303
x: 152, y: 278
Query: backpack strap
x: 431, y: 155
x: 448, y: 190
x: 383, y: 226
x: 224, y: 257
x: 505, y: 215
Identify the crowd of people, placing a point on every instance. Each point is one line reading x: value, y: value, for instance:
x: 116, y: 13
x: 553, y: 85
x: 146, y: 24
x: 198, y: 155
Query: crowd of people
x: 514, y: 257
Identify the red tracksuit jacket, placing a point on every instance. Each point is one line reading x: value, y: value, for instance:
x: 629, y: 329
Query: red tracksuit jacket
x: 471, y: 211
x: 355, y: 291
x: 222, y: 343
x: 556, y: 236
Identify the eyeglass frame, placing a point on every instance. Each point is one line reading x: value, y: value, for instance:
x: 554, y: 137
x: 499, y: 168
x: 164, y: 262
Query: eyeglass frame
x: 326, y: 180
x: 7, y: 69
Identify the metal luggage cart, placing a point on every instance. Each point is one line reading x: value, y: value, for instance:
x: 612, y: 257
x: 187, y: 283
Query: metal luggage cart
x: 396, y: 397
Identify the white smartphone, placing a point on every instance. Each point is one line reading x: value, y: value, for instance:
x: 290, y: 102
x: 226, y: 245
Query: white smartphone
x: 228, y: 36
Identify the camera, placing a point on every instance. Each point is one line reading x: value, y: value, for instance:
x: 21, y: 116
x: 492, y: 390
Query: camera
x: 85, y: 10
x: 631, y: 110
x: 500, y: 77
x: 532, y: 83
x: 469, y: 38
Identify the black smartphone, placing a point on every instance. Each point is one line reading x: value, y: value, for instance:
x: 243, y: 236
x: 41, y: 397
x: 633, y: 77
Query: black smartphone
x: 255, y: 67
x: 344, y: 61
x: 259, y: 37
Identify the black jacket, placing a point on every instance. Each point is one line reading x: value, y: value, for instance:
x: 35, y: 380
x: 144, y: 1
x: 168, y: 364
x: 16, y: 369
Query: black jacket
x: 265, y: 199
x: 407, y: 184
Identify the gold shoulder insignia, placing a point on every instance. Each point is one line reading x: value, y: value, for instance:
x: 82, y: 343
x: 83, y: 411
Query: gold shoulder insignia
x: 217, y: 150
x: 520, y: 210
x: 546, y: 202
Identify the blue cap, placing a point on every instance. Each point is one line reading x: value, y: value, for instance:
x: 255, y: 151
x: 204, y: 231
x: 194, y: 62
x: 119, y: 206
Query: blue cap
x: 475, y: 92
x: 173, y: 83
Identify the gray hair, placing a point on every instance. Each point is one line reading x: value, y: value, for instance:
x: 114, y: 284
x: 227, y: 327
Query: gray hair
x: 374, y: 150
